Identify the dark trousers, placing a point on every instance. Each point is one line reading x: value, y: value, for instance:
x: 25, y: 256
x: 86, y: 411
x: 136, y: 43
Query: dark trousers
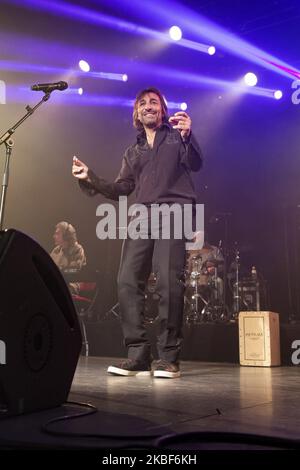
x: 168, y: 260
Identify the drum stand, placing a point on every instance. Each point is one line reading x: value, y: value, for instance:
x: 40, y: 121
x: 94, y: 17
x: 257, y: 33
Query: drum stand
x: 212, y: 310
x: 215, y: 310
x: 193, y: 315
x: 113, y: 310
x: 150, y: 314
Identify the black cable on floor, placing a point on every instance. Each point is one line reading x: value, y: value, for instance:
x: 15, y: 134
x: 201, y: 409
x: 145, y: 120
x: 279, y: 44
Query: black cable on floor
x: 92, y: 410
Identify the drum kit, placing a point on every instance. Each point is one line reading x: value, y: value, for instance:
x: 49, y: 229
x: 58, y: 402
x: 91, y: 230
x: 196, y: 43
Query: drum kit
x: 211, y: 295
x: 215, y: 294
x: 204, y: 292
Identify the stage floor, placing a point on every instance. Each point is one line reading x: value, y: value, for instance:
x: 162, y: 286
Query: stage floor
x: 136, y: 412
x: 207, y: 397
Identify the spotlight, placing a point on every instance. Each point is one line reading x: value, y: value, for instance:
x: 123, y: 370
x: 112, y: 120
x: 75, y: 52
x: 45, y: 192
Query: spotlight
x: 175, y: 33
x: 277, y: 94
x: 80, y: 91
x: 2, y: 92
x: 124, y: 77
x: 183, y: 106
x: 84, y: 65
x: 211, y: 50
x: 250, y: 79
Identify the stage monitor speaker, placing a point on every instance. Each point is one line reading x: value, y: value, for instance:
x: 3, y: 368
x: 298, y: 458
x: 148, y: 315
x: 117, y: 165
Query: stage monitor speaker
x: 40, y: 338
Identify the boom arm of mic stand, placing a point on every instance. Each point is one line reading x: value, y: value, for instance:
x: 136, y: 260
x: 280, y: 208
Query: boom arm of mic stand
x: 7, y: 140
x: 30, y: 111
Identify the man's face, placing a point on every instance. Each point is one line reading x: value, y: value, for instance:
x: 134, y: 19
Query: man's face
x: 150, y: 111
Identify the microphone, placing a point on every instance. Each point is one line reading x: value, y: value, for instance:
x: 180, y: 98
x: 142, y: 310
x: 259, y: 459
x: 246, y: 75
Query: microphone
x: 49, y: 87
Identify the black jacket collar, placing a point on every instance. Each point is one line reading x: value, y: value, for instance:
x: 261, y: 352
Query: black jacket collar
x: 141, y: 137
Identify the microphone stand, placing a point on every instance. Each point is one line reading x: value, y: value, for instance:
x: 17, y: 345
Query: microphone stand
x: 225, y: 217
x: 236, y: 290
x: 8, y: 141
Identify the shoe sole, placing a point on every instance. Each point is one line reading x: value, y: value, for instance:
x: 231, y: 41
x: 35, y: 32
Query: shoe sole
x: 128, y: 373
x: 163, y: 374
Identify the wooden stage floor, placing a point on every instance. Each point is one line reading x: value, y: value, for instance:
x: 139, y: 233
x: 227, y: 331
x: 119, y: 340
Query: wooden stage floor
x: 133, y: 412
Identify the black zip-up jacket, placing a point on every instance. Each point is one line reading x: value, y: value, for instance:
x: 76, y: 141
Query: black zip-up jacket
x: 159, y: 175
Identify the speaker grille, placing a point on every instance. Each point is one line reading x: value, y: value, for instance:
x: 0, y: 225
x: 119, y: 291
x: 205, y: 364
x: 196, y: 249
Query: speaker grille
x: 38, y: 342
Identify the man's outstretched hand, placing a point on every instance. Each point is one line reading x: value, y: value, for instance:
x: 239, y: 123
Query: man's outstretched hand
x: 182, y: 122
x: 79, y: 169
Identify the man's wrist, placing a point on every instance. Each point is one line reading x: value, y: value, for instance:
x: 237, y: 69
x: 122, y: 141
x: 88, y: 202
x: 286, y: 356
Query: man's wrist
x: 186, y: 137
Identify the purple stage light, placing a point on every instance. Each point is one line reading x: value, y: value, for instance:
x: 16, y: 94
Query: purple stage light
x: 30, y: 68
x: 250, y: 79
x: 278, y: 94
x: 201, y: 27
x: 100, y: 100
x: 175, y: 33
x: 122, y: 77
x: 290, y: 71
x: 61, y: 72
x: 93, y: 17
x: 175, y: 105
x: 80, y: 91
x: 2, y: 92
x: 211, y: 50
x: 84, y: 65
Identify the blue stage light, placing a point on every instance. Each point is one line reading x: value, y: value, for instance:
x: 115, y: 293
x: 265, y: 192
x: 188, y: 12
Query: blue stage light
x: 175, y: 33
x: 84, y: 65
x: 278, y: 94
x: 250, y: 79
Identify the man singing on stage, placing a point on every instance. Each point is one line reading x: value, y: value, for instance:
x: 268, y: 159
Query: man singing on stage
x: 157, y: 166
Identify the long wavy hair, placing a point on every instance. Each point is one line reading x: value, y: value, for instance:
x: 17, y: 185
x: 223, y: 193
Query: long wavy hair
x: 68, y: 232
x: 136, y: 122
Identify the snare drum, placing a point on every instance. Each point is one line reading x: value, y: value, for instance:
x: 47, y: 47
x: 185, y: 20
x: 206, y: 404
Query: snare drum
x: 203, y: 280
x: 195, y: 278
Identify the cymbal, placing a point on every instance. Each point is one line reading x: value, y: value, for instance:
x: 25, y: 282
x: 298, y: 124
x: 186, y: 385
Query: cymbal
x: 200, y: 252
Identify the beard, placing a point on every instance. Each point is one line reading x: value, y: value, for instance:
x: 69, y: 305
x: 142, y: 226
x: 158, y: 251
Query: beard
x: 151, y: 123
